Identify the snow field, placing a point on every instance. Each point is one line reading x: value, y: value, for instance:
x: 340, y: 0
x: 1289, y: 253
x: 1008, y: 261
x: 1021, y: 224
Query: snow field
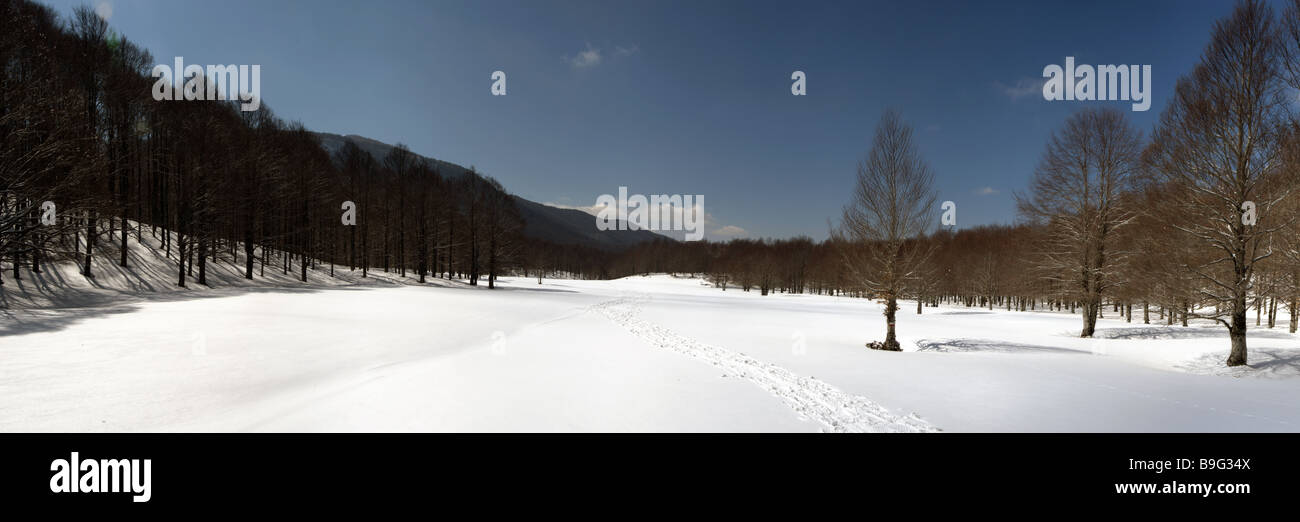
x: 654, y: 353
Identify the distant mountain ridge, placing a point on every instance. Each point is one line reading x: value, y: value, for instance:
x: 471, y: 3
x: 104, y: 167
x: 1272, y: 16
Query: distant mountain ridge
x: 556, y: 225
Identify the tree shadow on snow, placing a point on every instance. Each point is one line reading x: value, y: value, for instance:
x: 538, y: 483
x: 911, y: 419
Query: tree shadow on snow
x: 986, y: 346
x: 529, y: 289
x: 1276, y: 361
x: 71, y: 307
x: 1183, y: 332
x: 60, y: 295
x: 1263, y: 362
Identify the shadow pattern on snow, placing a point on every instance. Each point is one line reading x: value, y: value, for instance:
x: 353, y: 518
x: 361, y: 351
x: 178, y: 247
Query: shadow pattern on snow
x: 1263, y: 362
x: 27, y: 321
x: 530, y: 289
x: 1183, y: 332
x: 59, y: 296
x: 986, y: 346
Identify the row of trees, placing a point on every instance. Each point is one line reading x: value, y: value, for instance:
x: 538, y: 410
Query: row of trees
x: 1202, y: 220
x: 205, y: 181
x: 1199, y: 220
x: 1207, y: 206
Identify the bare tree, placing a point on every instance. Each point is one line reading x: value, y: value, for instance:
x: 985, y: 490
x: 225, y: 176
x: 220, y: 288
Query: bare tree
x: 1290, y: 238
x: 90, y: 31
x: 1077, y: 193
x: 501, y: 225
x: 893, y: 201
x: 401, y: 162
x: 1218, y: 147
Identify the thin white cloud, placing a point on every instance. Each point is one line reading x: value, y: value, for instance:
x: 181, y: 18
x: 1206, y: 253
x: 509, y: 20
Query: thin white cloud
x: 987, y: 191
x: 593, y: 209
x: 594, y: 56
x: 104, y: 9
x: 1023, y: 88
x: 730, y: 231
x: 586, y: 59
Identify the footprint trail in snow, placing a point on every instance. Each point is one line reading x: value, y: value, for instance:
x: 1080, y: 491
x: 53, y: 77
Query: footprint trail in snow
x: 837, y: 410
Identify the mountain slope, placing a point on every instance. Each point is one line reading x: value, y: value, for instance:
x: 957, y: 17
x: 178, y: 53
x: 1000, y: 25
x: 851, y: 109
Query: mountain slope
x: 568, y: 226
x: 544, y: 222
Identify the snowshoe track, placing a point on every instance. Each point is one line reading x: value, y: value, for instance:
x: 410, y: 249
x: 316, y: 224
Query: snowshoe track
x: 810, y: 398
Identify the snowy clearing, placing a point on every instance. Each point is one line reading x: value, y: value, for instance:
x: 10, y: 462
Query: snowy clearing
x: 653, y: 353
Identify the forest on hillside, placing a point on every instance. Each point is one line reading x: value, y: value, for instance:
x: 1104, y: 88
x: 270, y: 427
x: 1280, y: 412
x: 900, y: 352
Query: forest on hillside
x: 79, y: 128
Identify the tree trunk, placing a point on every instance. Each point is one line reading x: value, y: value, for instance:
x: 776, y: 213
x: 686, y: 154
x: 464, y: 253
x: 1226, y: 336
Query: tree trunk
x: 248, y: 251
x: 1237, y: 331
x: 1091, y: 308
x: 492, y: 259
x: 90, y: 244
x: 891, y: 313
x: 1295, y: 314
x: 126, y: 229
x: 203, y: 261
x: 180, y: 258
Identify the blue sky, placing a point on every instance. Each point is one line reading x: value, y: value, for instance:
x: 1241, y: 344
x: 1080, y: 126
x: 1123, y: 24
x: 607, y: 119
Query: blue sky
x: 686, y: 97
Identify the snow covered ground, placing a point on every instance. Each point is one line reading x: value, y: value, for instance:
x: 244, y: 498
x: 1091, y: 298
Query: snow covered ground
x: 653, y: 353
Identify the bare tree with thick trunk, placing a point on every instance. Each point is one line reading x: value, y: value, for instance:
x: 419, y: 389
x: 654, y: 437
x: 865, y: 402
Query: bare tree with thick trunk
x: 1218, y: 148
x: 1077, y: 194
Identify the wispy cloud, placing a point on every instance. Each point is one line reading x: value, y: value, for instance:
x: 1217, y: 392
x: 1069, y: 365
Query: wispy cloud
x: 594, y: 56
x: 104, y: 9
x: 730, y: 231
x: 1024, y: 87
x: 987, y: 191
x: 592, y: 209
x: 585, y: 59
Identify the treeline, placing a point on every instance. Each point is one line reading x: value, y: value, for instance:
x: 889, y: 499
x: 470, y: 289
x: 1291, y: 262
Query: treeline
x: 991, y: 266
x: 1199, y: 220
x: 79, y: 128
